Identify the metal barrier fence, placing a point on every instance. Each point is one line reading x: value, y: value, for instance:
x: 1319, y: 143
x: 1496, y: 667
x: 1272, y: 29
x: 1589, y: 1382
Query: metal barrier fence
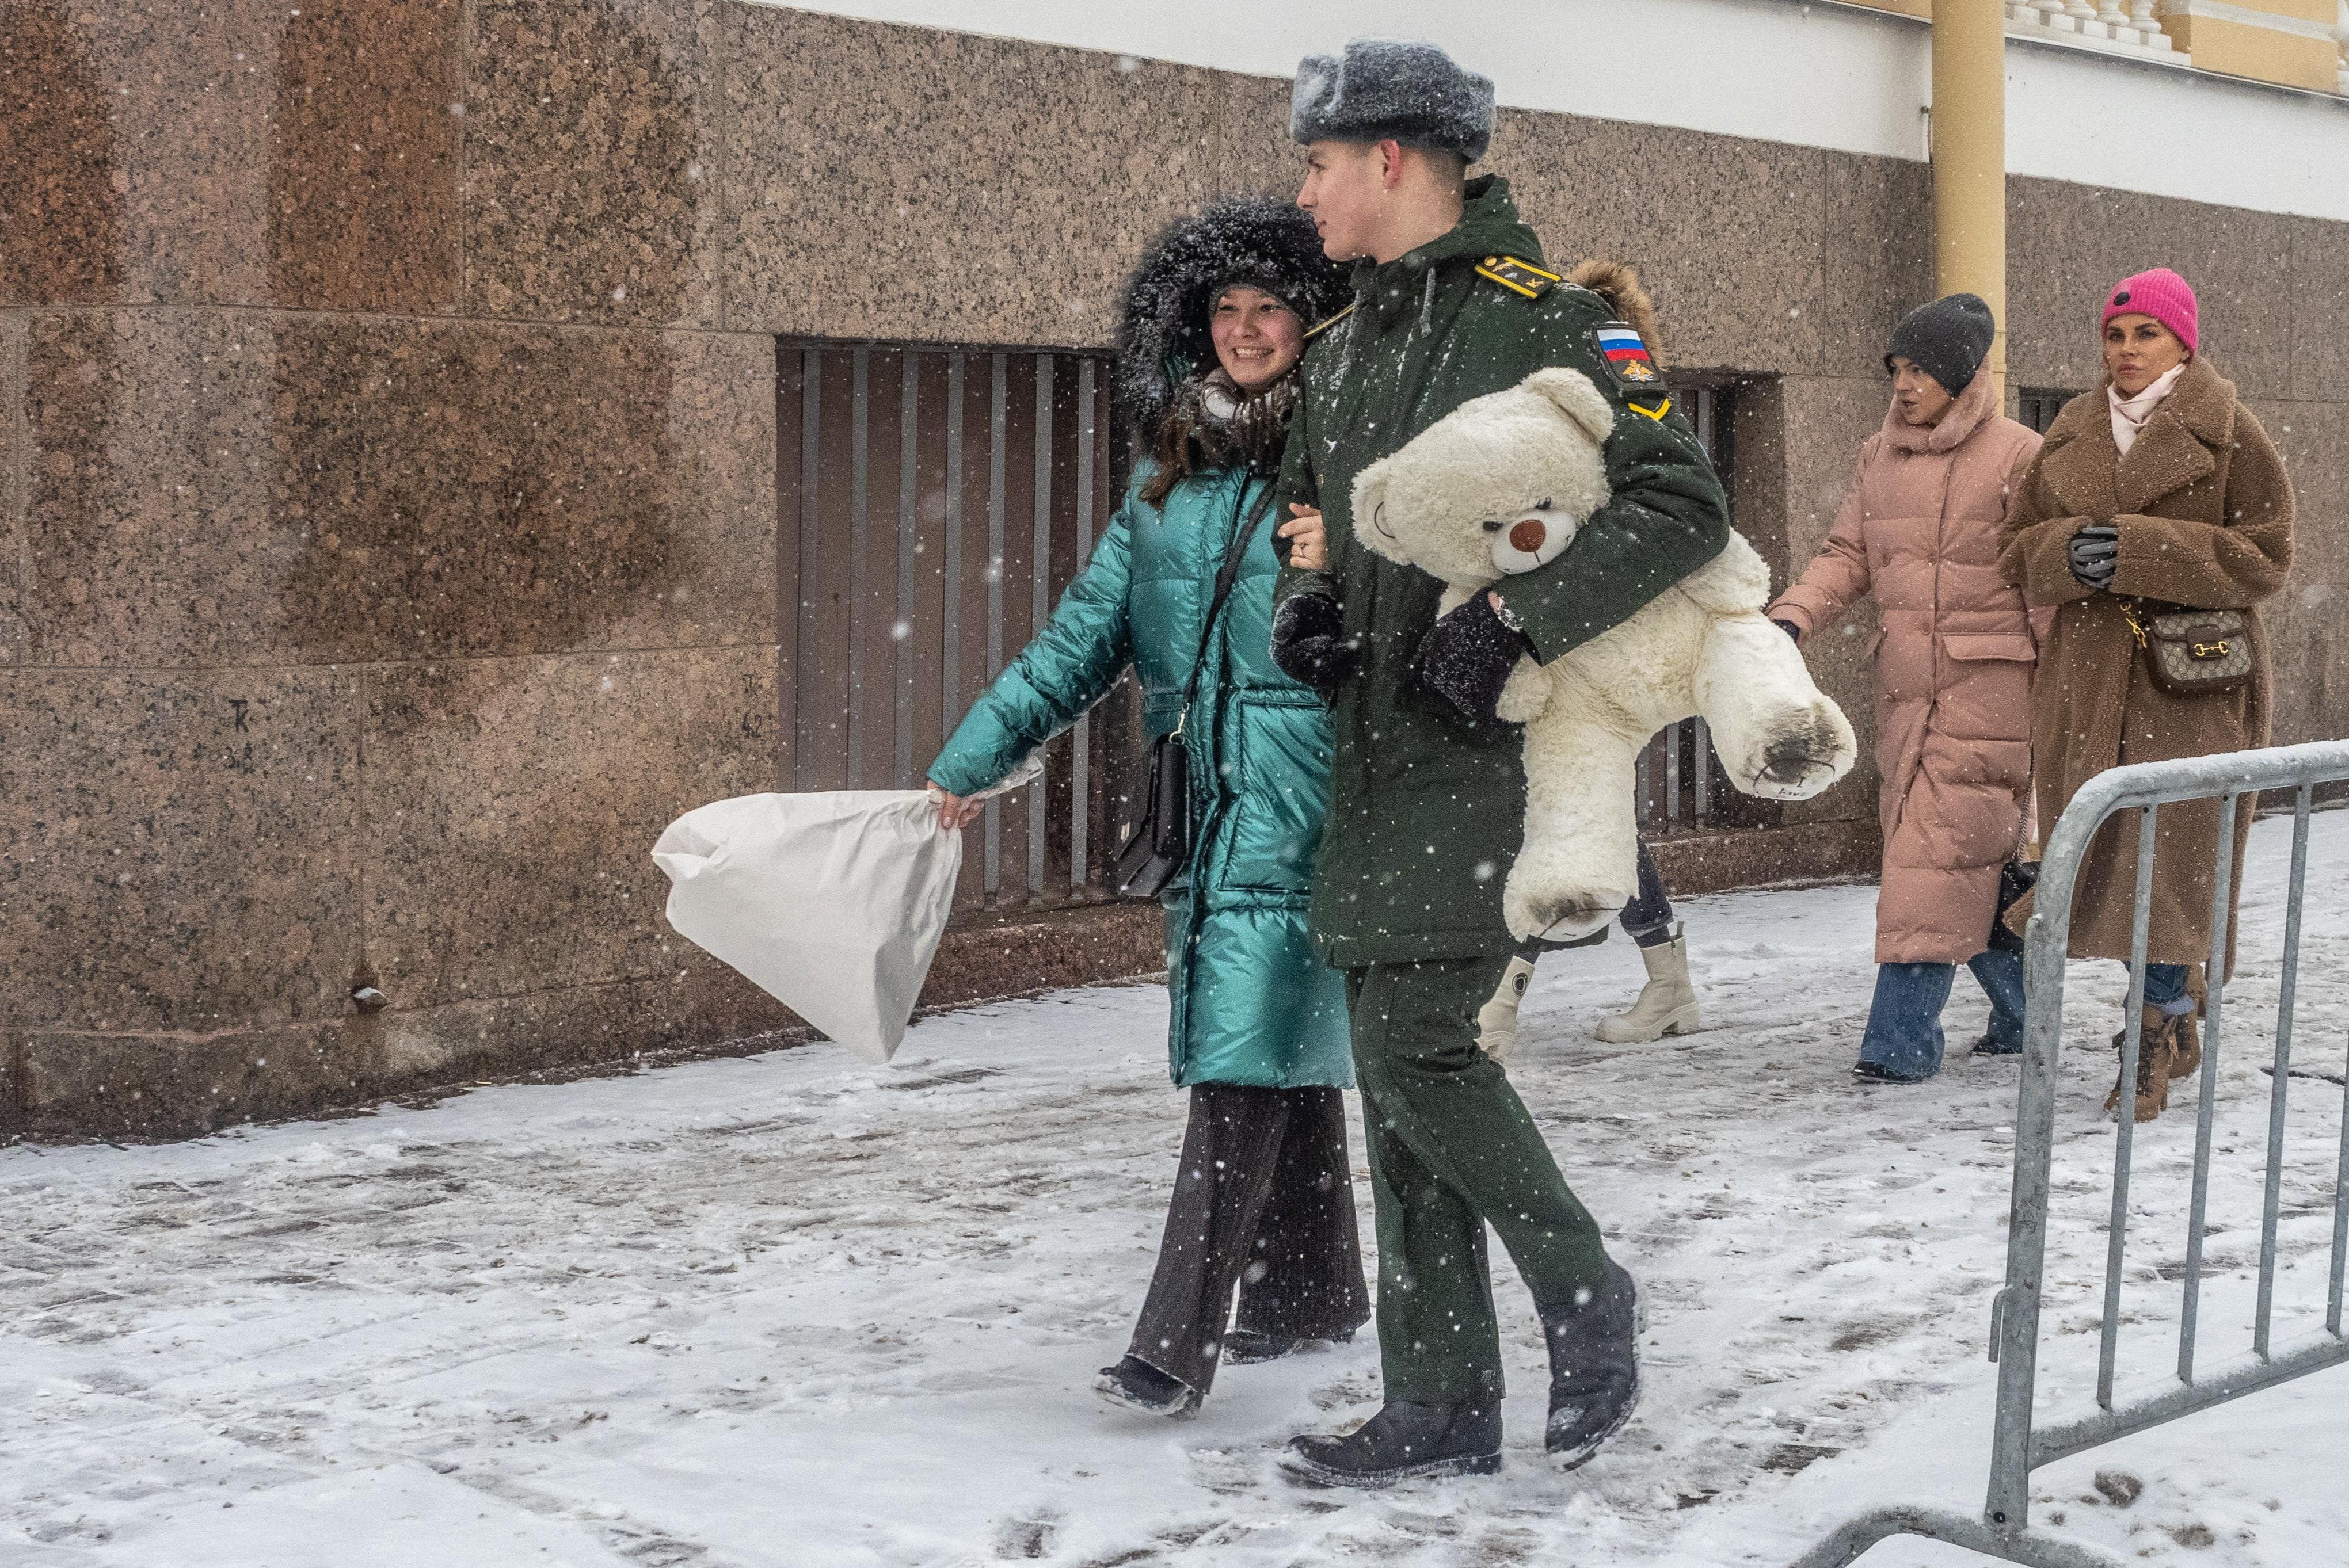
x: 2020, y: 1443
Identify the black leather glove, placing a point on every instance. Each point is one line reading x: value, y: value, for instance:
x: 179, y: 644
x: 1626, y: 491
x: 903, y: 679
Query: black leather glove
x: 2097, y: 554
x: 1794, y: 632
x: 1466, y: 656
x: 1309, y: 643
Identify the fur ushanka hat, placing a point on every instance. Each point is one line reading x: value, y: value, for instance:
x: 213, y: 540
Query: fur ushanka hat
x: 1383, y: 88
x: 1163, y: 334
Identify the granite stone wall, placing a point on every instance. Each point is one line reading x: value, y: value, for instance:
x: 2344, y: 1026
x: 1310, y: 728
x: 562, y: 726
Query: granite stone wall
x: 389, y: 535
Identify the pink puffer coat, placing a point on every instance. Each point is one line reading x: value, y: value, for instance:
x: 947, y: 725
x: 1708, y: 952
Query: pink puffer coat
x: 1920, y: 529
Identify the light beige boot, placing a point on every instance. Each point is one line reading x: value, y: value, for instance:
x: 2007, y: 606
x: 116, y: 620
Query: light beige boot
x: 1667, y: 1003
x: 1497, y: 1020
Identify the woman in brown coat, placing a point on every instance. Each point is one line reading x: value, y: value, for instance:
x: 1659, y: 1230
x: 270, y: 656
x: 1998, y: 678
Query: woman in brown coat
x: 1920, y: 529
x: 2156, y: 491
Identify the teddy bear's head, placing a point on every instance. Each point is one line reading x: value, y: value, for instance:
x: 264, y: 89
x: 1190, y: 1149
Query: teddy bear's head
x: 1496, y: 487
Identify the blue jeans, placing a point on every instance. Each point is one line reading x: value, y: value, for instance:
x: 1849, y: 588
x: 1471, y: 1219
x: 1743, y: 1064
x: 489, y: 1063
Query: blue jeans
x: 1647, y: 918
x: 2164, y: 984
x: 1904, y: 1022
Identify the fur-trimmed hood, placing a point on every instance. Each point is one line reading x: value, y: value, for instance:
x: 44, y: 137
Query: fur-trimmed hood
x: 1619, y: 284
x: 1163, y: 327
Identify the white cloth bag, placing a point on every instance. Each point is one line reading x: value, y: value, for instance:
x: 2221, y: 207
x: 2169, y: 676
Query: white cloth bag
x: 830, y: 903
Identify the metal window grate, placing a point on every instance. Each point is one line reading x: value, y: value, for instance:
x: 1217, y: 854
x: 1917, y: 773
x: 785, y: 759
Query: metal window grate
x: 933, y: 503
x: 1677, y: 777
x: 2038, y: 405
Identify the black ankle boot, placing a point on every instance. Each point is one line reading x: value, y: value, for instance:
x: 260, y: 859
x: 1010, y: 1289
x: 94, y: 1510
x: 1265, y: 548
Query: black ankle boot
x: 1404, y: 1441
x: 1594, y: 1366
x: 1135, y: 1384
x: 1245, y: 1346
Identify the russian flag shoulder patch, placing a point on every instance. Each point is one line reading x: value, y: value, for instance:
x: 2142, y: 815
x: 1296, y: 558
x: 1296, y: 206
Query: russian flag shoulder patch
x: 1625, y: 354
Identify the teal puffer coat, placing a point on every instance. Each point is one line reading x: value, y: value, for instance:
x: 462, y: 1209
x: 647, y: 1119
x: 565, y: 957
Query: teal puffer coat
x: 1251, y: 1004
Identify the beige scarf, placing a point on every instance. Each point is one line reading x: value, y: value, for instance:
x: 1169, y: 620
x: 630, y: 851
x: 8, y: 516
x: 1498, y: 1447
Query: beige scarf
x: 2129, y: 414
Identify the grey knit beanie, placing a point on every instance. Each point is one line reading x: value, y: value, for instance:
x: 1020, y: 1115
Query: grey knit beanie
x: 1390, y: 88
x: 1947, y: 340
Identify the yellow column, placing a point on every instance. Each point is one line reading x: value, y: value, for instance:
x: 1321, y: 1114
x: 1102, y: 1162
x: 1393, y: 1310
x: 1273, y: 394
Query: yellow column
x: 1970, y: 159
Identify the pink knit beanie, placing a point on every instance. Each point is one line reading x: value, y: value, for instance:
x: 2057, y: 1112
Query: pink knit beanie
x: 2159, y: 294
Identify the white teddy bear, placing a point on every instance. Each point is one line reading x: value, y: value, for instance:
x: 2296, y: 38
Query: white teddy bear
x: 1498, y: 486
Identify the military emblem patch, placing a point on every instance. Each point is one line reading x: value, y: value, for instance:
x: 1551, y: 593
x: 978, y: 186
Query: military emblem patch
x: 1626, y: 356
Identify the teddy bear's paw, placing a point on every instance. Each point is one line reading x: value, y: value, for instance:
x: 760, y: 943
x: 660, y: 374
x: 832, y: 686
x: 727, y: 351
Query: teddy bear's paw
x: 1801, y: 757
x: 1560, y: 913
x: 1526, y: 696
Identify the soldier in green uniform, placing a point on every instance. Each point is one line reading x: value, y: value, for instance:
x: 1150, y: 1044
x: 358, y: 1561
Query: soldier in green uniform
x: 1453, y: 301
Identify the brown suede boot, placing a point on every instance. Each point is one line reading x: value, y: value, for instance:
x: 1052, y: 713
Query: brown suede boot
x: 2157, y: 1054
x: 2187, y: 1039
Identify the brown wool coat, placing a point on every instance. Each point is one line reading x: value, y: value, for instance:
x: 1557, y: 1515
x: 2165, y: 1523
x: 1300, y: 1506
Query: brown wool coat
x: 2205, y: 515
x: 1920, y: 529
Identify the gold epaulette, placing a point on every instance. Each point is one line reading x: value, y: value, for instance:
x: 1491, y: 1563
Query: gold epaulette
x: 1519, y: 276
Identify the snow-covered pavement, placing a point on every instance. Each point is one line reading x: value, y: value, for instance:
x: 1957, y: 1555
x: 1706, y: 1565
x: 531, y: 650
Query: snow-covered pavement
x: 792, y: 1310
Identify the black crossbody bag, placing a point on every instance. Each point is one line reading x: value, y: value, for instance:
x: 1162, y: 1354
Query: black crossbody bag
x: 1154, y: 854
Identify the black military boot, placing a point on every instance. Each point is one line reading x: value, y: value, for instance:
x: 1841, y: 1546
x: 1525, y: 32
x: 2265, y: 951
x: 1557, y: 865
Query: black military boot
x: 1404, y: 1441
x: 1594, y: 1366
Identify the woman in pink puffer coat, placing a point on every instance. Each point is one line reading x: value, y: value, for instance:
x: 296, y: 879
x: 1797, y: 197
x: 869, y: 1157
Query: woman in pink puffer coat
x: 1920, y: 529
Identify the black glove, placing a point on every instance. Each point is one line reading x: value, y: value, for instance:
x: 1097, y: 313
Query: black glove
x: 2097, y: 554
x: 1309, y: 643
x: 1794, y: 632
x: 1466, y: 656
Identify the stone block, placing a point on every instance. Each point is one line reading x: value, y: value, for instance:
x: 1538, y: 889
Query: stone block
x: 183, y: 1084
x: 16, y: 485
x: 861, y: 216
x: 576, y: 1027
x: 1257, y: 153
x: 60, y: 163
x: 462, y: 490
x: 986, y: 956
x: 2066, y: 244
x: 1729, y: 235
x: 513, y: 806
x: 2319, y: 285
x: 1880, y: 257
x: 148, y: 536
x: 363, y: 149
x: 155, y: 189
x: 1818, y: 851
x: 593, y: 150
x: 230, y: 487
x: 179, y: 852
x: 2307, y: 642
x: 231, y: 151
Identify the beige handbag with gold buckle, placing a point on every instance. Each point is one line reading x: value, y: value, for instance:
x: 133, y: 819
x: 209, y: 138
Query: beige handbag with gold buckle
x: 2191, y: 652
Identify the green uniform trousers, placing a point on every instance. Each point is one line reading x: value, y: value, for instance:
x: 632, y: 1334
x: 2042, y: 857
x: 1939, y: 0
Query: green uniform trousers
x: 1452, y: 1147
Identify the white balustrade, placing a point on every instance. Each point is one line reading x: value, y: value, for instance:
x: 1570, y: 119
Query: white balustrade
x: 2113, y: 26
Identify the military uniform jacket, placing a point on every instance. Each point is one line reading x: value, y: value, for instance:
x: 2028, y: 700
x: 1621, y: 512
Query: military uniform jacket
x: 1427, y: 813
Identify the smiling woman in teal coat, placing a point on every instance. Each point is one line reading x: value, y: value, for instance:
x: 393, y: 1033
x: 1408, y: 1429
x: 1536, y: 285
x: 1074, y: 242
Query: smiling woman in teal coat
x: 1213, y: 326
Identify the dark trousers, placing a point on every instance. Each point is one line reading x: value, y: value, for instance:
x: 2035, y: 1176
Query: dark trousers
x: 1453, y: 1147
x: 1647, y: 918
x: 1264, y: 1200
